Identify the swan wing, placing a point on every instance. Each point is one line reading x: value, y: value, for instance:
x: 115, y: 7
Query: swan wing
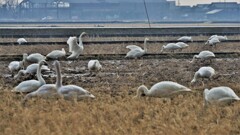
x: 135, y: 53
x: 27, y: 86
x: 134, y: 47
x: 69, y: 89
x: 73, y: 45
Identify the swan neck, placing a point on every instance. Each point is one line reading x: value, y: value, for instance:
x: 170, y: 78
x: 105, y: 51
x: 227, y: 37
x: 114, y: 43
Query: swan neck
x: 194, y: 57
x: 142, y: 90
x: 145, y: 45
x: 59, y: 76
x: 195, y: 76
x: 39, y: 76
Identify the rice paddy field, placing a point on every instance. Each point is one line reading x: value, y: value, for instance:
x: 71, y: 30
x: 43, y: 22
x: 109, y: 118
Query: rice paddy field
x: 114, y: 111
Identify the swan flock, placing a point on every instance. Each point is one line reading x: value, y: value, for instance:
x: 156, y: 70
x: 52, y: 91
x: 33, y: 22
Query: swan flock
x: 36, y: 63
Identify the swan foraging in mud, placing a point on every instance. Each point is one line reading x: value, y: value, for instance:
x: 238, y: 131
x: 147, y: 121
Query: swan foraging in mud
x: 213, y: 41
x: 33, y: 58
x: 171, y: 47
x: 56, y: 54
x: 136, y: 51
x: 21, y: 41
x: 31, y: 69
x: 162, y: 89
x: 203, y: 72
x: 15, y: 66
x: 185, y: 39
x: 203, y: 55
x: 75, y: 48
x: 94, y: 65
x: 220, y: 38
x: 220, y: 94
x: 31, y: 85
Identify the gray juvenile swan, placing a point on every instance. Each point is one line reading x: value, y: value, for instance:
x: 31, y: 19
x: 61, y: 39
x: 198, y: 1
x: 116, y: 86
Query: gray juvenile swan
x: 162, y: 89
x: 136, y: 51
x: 31, y: 85
x: 203, y: 55
x: 56, y: 54
x: 75, y: 48
x: 220, y: 94
x: 70, y: 91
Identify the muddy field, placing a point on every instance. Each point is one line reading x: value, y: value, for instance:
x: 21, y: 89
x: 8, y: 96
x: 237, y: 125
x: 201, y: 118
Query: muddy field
x: 113, y: 111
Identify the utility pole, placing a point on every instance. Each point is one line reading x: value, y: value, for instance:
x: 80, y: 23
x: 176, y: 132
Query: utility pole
x: 147, y: 13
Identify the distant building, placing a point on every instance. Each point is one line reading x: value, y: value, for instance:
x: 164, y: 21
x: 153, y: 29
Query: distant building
x: 120, y: 10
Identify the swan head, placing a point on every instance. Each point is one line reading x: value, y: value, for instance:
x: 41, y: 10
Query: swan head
x: 225, y: 37
x: 43, y: 62
x: 83, y: 33
x: 163, y: 47
x: 146, y: 39
x: 141, y: 91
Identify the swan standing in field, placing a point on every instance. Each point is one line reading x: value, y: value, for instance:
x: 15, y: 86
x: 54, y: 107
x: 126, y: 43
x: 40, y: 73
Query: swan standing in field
x: 75, y: 48
x: 31, y: 85
x: 70, y: 91
x: 171, y: 47
x: 31, y: 69
x: 56, y: 54
x: 203, y: 72
x: 162, y: 89
x: 182, y: 45
x: 136, y: 51
x: 94, y: 65
x: 21, y: 41
x: 220, y: 94
x: 185, y: 39
x: 203, y: 55
x: 213, y: 41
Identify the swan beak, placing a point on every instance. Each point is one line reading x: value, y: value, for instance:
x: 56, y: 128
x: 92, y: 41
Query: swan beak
x: 91, y: 96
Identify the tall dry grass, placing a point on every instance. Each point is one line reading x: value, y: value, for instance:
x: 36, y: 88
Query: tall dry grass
x: 115, y: 112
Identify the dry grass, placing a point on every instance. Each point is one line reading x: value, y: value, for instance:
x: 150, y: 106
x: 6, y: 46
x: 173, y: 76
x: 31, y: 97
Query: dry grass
x: 115, y: 112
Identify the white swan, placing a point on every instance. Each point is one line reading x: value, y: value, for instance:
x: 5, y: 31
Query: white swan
x: 213, y: 41
x: 182, y: 45
x: 203, y: 55
x: 94, y: 65
x: 33, y: 58
x: 15, y: 66
x: 171, y: 47
x: 31, y: 69
x: 70, y: 91
x: 21, y: 41
x: 75, y: 48
x: 56, y: 54
x: 31, y: 85
x: 136, y: 51
x: 185, y: 39
x: 220, y: 38
x: 220, y: 94
x: 203, y: 72
x: 162, y: 89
